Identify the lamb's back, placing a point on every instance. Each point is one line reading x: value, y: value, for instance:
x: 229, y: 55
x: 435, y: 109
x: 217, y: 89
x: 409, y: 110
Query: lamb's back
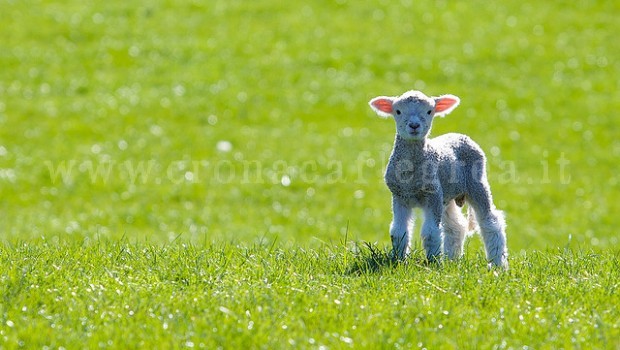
x: 461, y: 160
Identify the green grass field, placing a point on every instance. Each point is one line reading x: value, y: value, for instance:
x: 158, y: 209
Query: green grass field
x: 121, y: 295
x: 204, y: 174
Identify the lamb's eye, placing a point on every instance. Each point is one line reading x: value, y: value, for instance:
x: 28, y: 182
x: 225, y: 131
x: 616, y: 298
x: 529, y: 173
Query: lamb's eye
x: 429, y: 112
x: 398, y: 111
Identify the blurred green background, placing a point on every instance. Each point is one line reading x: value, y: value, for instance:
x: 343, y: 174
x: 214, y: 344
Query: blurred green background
x: 248, y: 120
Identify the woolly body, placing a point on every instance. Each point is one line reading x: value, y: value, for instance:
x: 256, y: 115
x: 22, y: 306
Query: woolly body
x: 433, y: 166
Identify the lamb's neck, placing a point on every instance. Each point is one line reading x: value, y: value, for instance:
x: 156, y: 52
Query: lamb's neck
x: 411, y: 149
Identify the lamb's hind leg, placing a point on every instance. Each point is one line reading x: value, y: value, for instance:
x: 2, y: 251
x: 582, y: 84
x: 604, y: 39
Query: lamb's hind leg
x: 492, y: 224
x: 454, y: 230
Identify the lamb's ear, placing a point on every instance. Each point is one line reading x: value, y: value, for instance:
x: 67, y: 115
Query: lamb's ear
x: 382, y: 105
x: 445, y: 104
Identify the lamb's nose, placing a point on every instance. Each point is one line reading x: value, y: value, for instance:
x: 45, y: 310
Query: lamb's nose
x: 414, y: 126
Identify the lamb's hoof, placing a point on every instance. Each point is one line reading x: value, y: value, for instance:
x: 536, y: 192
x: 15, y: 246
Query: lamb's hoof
x: 433, y: 260
x: 398, y: 258
x: 393, y: 256
x: 502, y: 264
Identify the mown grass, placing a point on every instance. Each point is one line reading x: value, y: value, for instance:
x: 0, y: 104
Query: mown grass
x: 116, y: 294
x: 147, y: 152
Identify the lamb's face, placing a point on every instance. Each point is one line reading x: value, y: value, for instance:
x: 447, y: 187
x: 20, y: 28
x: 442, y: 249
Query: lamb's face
x: 414, y: 116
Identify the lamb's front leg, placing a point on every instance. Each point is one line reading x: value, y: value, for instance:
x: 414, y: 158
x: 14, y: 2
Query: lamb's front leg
x: 400, y: 228
x: 431, y: 230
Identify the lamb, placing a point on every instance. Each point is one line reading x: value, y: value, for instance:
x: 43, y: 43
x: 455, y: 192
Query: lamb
x: 438, y: 175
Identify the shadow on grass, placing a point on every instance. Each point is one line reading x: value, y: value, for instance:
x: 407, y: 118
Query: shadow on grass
x: 371, y: 259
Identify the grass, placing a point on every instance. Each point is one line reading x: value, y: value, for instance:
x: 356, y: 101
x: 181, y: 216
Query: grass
x: 160, y: 145
x: 116, y: 294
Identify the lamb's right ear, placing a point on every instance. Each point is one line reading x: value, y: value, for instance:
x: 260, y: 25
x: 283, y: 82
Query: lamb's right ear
x: 382, y: 105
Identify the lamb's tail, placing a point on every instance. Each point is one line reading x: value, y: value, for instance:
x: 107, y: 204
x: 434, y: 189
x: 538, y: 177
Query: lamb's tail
x: 472, y: 225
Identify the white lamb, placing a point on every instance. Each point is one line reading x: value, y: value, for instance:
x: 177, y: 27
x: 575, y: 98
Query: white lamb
x: 438, y: 175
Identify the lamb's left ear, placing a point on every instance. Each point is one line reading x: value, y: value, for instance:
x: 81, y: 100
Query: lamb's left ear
x: 382, y: 105
x: 445, y: 104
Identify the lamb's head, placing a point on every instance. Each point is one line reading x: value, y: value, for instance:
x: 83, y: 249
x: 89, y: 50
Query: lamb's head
x: 413, y: 111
